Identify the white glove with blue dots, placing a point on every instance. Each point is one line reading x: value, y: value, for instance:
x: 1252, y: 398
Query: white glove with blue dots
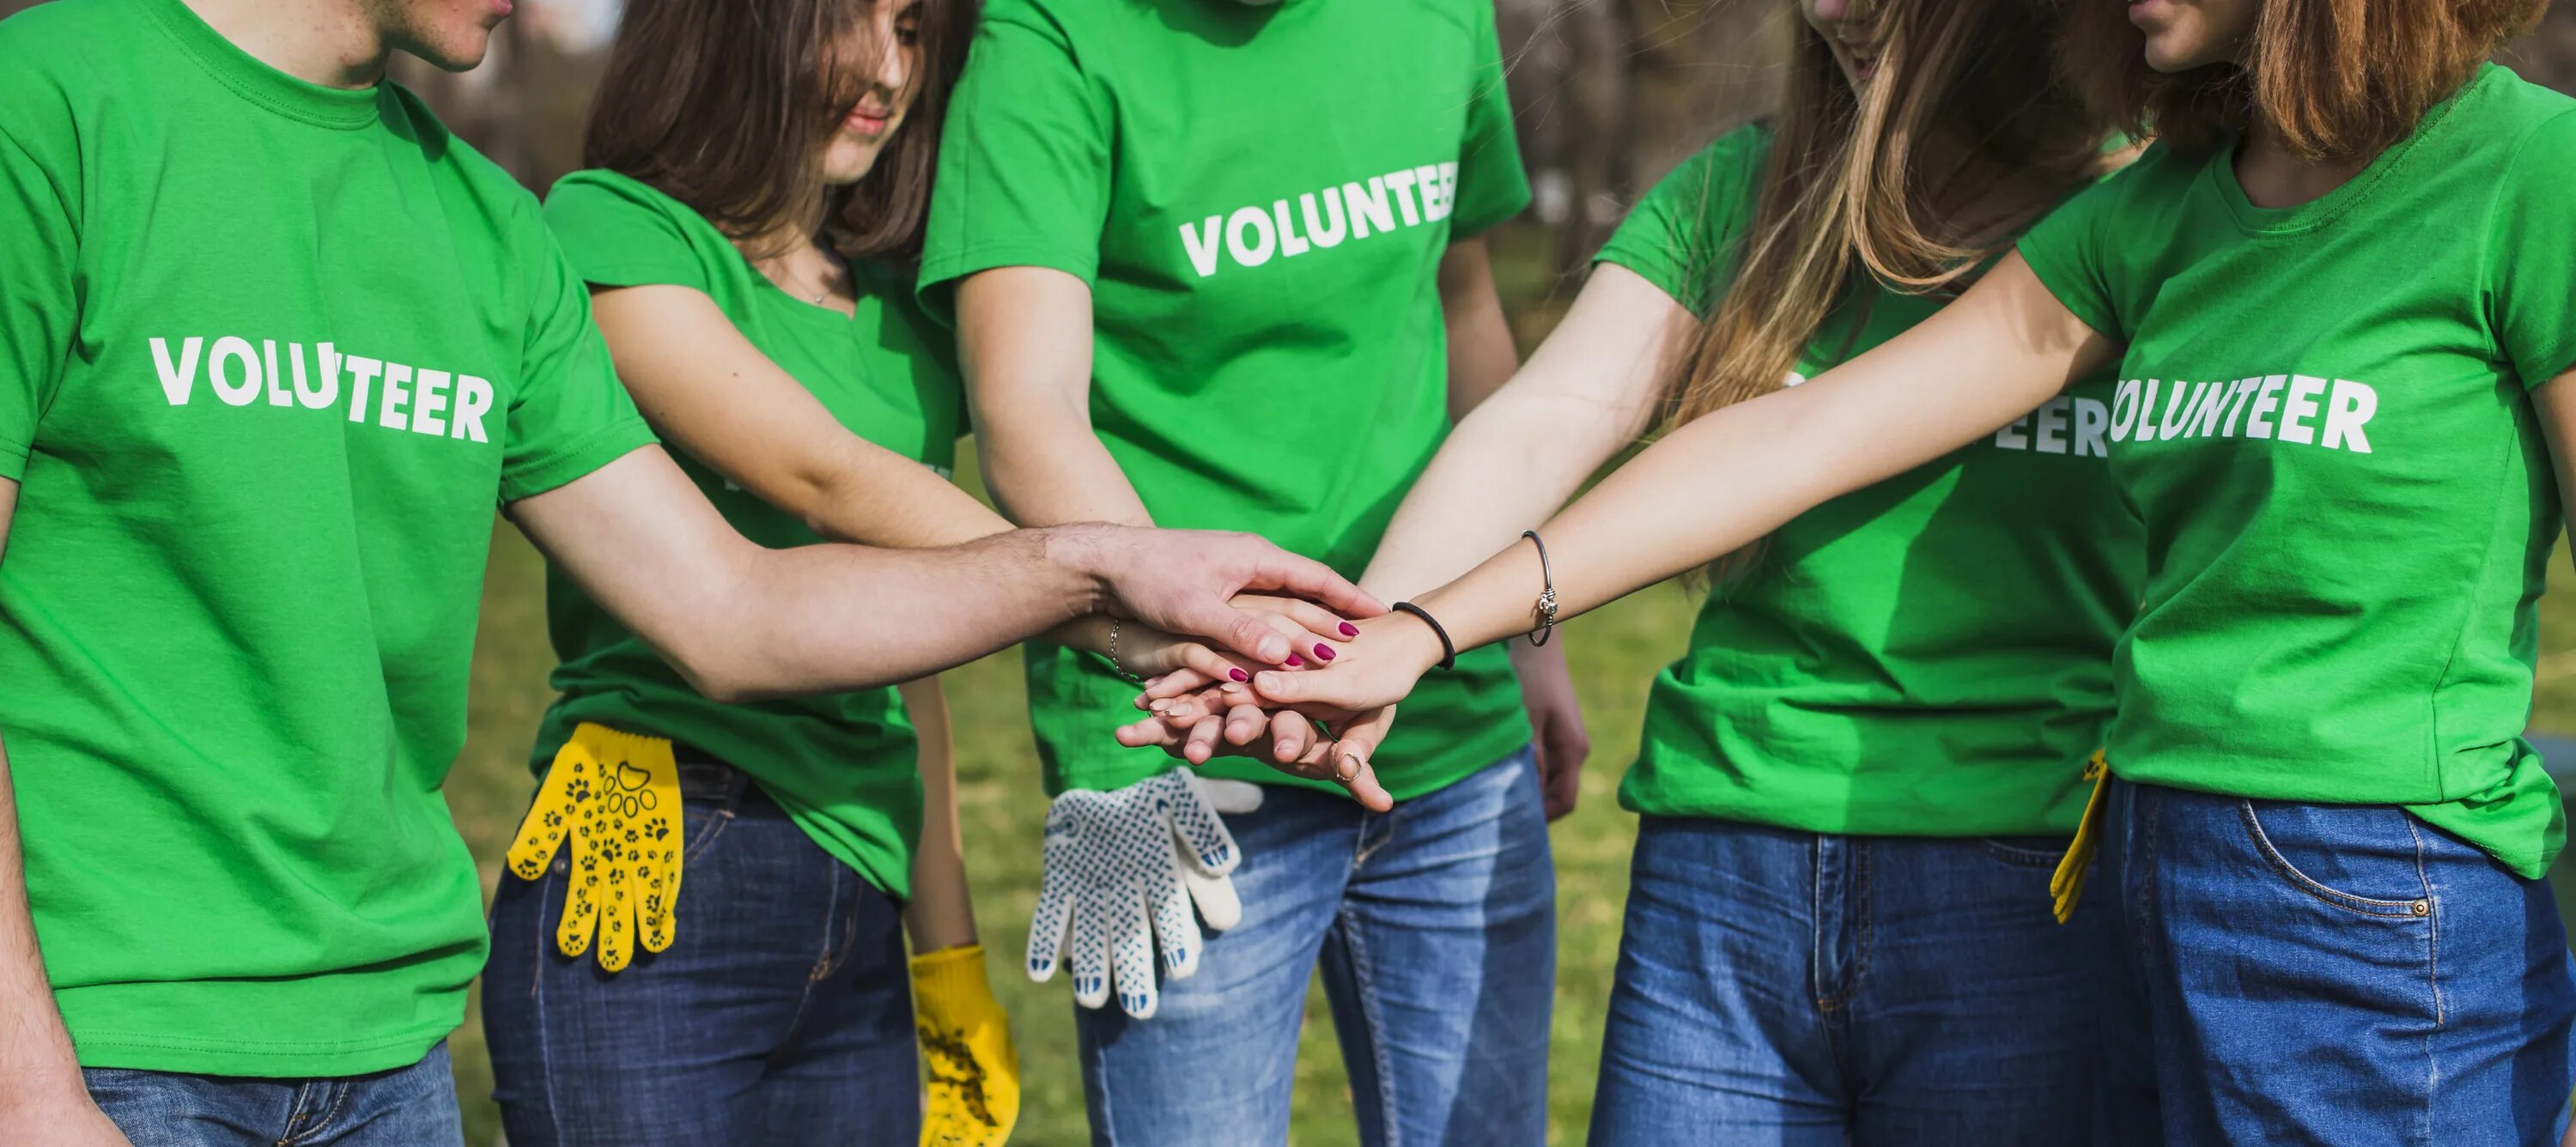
x: 1123, y: 869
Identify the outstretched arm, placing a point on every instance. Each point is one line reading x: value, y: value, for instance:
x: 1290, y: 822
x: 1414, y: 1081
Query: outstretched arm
x: 743, y: 622
x: 1732, y: 476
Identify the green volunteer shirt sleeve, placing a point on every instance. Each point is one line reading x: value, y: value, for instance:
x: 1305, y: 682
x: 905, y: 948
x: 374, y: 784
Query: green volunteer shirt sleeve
x: 2531, y: 288
x: 37, y: 308
x: 1491, y: 185
x: 1682, y: 237
x: 2067, y: 250
x: 568, y: 415
x: 1023, y: 175
x: 620, y: 233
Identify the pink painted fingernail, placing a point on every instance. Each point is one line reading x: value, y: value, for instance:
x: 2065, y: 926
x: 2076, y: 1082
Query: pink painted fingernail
x: 1350, y: 630
x: 1295, y: 661
x: 1323, y: 652
x: 1238, y: 675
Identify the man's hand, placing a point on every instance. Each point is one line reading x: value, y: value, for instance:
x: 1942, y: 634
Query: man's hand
x: 1182, y: 581
x: 1556, y: 723
x: 67, y: 1120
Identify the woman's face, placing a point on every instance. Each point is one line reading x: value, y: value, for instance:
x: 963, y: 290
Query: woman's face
x: 1850, y: 28
x: 2187, y: 34
x: 883, y: 59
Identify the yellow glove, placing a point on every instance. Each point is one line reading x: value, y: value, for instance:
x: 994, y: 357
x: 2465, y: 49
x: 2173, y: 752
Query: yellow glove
x: 618, y: 796
x: 966, y: 1042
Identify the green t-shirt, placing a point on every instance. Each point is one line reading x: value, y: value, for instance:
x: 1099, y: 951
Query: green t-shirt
x: 1259, y: 197
x: 270, y: 354
x: 2322, y: 420
x: 1929, y: 656
x: 843, y: 765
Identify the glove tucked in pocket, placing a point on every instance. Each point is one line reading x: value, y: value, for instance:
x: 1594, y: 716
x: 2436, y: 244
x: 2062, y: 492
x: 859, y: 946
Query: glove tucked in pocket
x: 974, y: 1071
x: 616, y: 798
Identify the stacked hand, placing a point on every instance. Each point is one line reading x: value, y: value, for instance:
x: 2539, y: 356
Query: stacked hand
x: 1322, y: 719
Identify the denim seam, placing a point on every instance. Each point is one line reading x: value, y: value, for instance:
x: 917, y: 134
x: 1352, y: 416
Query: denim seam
x: 2432, y: 918
x: 2357, y: 905
x: 1364, y: 987
x: 297, y: 1126
x: 339, y: 1102
x: 2432, y: 977
x: 805, y: 998
x: 546, y: 907
x: 2019, y: 857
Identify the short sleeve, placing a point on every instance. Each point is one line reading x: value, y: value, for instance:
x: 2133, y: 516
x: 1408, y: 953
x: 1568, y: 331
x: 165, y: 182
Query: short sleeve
x: 1024, y: 165
x: 2531, y: 278
x: 2066, y: 249
x: 1685, y: 235
x: 38, y: 306
x: 622, y: 233
x: 1492, y: 187
x: 568, y: 415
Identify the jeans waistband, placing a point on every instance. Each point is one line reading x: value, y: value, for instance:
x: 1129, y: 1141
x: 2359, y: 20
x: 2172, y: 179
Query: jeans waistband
x: 705, y: 779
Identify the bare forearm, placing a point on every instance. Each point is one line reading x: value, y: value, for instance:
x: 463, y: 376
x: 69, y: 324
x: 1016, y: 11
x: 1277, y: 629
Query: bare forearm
x: 833, y: 618
x: 36, y: 1061
x: 1587, y: 392
x: 942, y: 913
x: 1481, y: 355
x: 37, y: 1067
x: 1046, y: 471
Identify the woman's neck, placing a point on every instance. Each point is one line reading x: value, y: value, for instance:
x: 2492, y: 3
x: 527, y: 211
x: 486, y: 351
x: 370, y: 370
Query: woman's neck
x: 802, y: 267
x: 2272, y: 176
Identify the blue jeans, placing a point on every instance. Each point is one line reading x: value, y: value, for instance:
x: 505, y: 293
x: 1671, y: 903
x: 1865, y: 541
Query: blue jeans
x: 1782, y: 987
x: 1436, y: 925
x: 780, y: 1014
x: 406, y: 1107
x: 2345, y: 974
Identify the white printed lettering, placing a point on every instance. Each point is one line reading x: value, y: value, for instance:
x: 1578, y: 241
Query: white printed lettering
x: 1401, y: 180
x: 2049, y: 426
x: 2299, y: 407
x: 278, y: 395
x: 2353, y: 404
x: 2257, y: 425
x: 389, y: 409
x: 322, y: 396
x: 1290, y: 243
x: 2124, y: 397
x: 1326, y: 232
x: 2236, y: 396
x: 1202, y: 246
x: 429, y: 396
x: 2010, y: 437
x: 361, y: 372
x: 244, y: 392
x: 1257, y: 221
x: 2169, y: 427
x: 2091, y: 419
x: 177, y: 381
x: 473, y: 398
x: 1368, y: 208
x: 1426, y: 183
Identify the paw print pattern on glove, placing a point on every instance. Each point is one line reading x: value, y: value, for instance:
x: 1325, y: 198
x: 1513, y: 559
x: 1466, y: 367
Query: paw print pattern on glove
x: 1129, y: 873
x: 615, y: 798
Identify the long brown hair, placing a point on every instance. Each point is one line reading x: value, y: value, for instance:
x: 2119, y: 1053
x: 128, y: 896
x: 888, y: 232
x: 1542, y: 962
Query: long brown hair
x: 727, y: 105
x: 1848, y: 189
x: 2341, y: 80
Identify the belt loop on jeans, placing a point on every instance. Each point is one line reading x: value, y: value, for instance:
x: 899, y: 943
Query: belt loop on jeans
x: 706, y: 779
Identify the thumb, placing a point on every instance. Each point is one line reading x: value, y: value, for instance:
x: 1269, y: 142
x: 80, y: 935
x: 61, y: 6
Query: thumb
x: 1331, y: 688
x: 1352, y: 757
x: 1243, y: 631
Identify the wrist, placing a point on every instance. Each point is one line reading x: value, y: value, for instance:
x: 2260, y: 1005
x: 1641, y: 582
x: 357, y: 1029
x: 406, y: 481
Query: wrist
x: 1080, y: 552
x: 1412, y: 643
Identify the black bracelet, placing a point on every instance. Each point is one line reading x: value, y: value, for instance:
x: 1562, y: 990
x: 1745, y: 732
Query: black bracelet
x: 1546, y: 607
x: 1448, y: 652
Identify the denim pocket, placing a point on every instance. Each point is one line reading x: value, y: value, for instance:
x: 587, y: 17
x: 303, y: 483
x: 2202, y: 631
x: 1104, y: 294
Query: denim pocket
x: 2375, y: 848
x: 700, y: 825
x: 2025, y: 851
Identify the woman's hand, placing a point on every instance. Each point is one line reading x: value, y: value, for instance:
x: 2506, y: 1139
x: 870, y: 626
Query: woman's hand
x: 1178, y: 665
x: 1227, y: 720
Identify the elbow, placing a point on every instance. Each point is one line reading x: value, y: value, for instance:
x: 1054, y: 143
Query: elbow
x: 722, y: 668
